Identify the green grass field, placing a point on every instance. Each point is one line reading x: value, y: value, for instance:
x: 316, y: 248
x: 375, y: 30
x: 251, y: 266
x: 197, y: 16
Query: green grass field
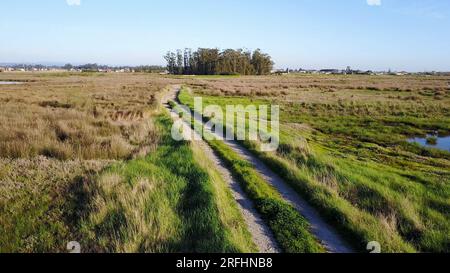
x: 351, y: 158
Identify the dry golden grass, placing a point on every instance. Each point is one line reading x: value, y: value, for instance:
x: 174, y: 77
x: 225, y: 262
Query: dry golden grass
x: 89, y: 158
x: 58, y: 132
x: 38, y: 201
x: 66, y: 116
x: 331, y: 88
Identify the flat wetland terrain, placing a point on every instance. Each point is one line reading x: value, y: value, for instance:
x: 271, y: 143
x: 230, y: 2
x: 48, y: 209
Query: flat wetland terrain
x: 88, y: 157
x: 345, y: 147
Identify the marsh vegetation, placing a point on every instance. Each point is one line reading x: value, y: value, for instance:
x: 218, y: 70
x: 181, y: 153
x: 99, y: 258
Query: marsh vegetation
x: 344, y: 146
x: 88, y: 157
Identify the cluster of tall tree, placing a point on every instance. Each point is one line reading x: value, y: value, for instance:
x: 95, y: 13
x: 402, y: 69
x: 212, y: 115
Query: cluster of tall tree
x: 212, y: 61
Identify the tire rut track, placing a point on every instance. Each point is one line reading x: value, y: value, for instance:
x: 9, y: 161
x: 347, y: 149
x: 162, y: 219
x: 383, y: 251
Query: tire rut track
x: 261, y: 233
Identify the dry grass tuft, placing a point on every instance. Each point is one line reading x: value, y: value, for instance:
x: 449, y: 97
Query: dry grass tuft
x: 79, y: 117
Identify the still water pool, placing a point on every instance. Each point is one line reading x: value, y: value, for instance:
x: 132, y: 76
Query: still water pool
x: 443, y: 143
x: 9, y: 83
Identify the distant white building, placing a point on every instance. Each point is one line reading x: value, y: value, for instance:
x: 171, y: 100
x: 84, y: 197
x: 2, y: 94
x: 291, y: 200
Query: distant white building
x: 280, y: 71
x: 330, y: 71
x: 402, y: 73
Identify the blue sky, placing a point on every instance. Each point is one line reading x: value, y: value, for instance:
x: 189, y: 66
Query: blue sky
x: 409, y: 35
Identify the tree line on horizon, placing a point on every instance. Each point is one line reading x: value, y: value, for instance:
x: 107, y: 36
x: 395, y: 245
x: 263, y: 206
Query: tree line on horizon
x: 212, y: 61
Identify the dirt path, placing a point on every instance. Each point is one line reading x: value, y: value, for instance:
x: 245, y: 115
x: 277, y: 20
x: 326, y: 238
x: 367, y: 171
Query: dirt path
x: 261, y: 234
x: 328, y: 236
x: 325, y: 233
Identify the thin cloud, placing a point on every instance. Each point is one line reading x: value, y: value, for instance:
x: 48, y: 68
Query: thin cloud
x: 374, y: 2
x: 73, y: 2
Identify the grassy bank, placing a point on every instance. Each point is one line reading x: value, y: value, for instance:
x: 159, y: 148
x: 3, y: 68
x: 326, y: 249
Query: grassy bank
x: 231, y: 217
x: 164, y: 202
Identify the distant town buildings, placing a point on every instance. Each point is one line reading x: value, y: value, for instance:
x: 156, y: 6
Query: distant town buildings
x: 350, y: 71
x: 80, y: 68
x: 25, y: 68
x: 163, y: 71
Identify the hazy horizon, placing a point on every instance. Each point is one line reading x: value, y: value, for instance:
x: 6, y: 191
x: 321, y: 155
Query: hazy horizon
x: 364, y: 34
x: 61, y: 64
